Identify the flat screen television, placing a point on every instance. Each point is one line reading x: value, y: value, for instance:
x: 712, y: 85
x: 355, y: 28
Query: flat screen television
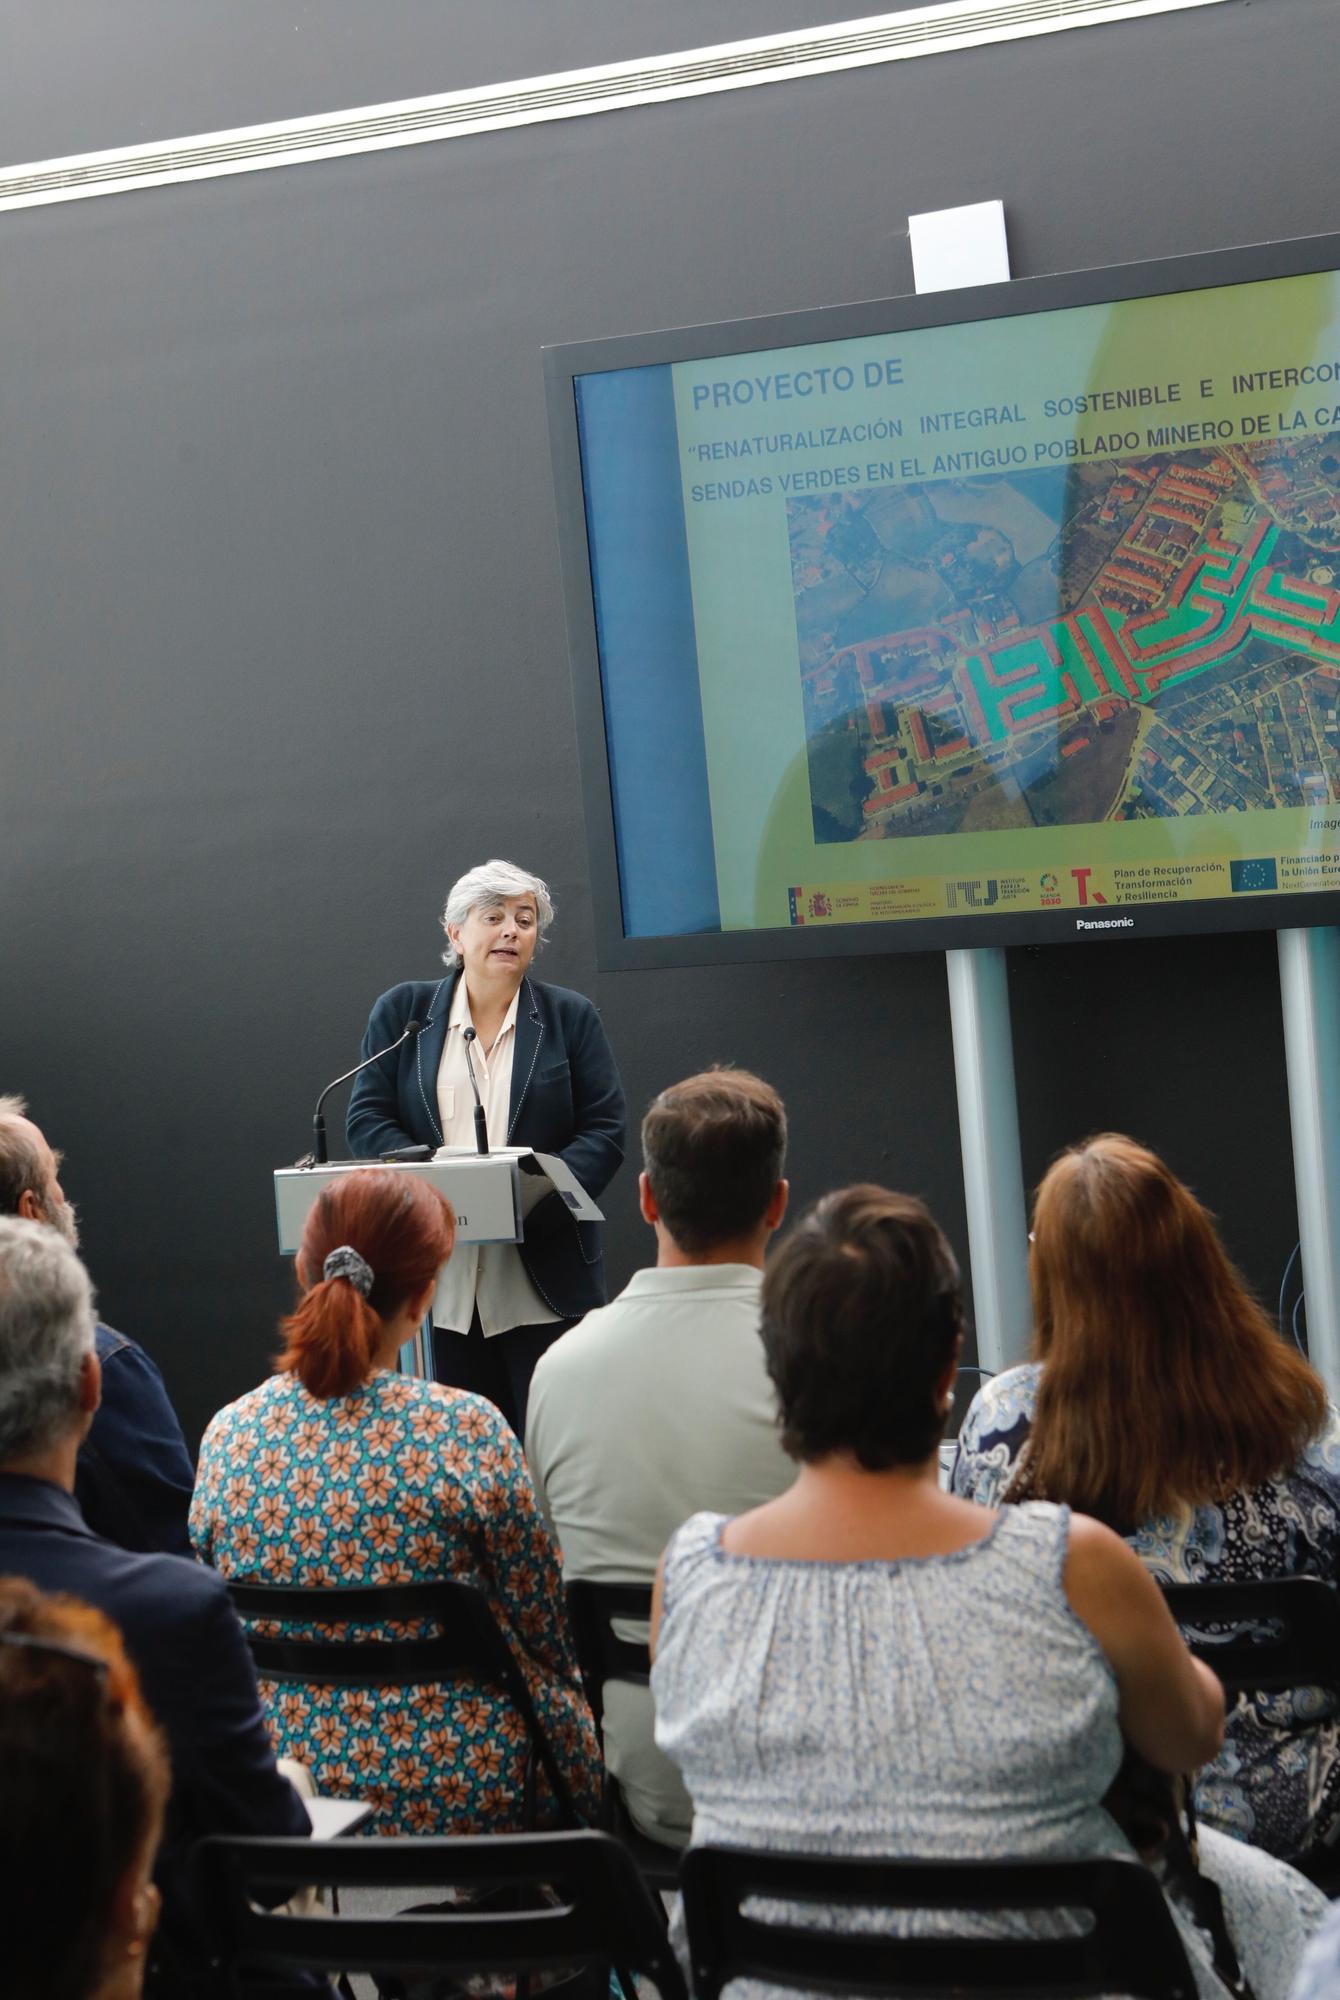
x: 984, y: 617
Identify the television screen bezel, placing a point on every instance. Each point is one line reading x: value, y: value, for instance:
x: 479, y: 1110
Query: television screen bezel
x: 909, y: 312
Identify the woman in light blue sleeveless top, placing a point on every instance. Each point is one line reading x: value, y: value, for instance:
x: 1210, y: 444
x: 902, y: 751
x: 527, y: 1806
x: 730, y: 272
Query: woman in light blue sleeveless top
x: 868, y: 1665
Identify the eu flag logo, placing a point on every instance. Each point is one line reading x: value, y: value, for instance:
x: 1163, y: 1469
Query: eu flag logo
x: 1246, y: 875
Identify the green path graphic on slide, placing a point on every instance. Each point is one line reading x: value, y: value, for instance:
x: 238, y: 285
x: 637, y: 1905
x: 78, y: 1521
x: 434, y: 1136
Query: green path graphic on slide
x: 1232, y: 594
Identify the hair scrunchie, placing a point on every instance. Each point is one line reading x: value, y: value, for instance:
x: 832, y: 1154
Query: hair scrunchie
x: 345, y: 1262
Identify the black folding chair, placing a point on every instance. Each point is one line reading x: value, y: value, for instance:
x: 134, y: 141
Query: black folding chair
x: 600, y: 1916
x: 1276, y: 1633
x: 469, y: 1646
x: 604, y: 1654
x: 1281, y: 1632
x: 1130, y: 1944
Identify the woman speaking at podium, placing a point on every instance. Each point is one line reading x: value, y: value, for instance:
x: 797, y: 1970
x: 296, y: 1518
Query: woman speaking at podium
x: 546, y: 1078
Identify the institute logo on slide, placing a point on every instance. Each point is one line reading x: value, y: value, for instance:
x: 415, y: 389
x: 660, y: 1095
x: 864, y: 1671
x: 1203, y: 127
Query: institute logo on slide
x: 1248, y: 875
x: 975, y: 895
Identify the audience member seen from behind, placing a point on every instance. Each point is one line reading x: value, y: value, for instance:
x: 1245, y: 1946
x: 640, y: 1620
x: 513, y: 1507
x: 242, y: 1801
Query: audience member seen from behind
x: 175, y: 1618
x: 339, y: 1471
x: 658, y: 1405
x: 868, y: 1665
x: 85, y: 1786
x: 1144, y: 1330
x: 134, y: 1476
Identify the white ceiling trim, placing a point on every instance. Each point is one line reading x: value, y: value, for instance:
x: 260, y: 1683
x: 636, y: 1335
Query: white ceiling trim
x: 457, y: 114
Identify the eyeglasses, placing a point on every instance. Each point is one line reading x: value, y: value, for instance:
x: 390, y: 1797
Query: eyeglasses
x: 56, y: 1649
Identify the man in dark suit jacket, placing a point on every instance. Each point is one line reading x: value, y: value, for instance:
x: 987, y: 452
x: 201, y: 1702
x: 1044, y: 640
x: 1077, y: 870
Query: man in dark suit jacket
x: 134, y: 1477
x: 178, y: 1625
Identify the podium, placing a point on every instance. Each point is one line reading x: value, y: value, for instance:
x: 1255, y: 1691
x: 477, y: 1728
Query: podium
x: 492, y: 1194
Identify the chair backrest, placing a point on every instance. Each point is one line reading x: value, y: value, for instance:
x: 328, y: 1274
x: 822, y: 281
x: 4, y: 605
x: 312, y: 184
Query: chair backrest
x: 602, y: 1914
x: 469, y: 1645
x: 602, y: 1653
x: 1282, y: 1632
x: 1130, y: 1944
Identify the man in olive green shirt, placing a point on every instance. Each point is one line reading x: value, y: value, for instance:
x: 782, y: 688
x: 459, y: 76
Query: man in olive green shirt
x: 658, y: 1405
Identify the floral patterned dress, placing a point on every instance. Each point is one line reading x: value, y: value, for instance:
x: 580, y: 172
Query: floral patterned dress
x: 1276, y: 1782
x: 401, y: 1481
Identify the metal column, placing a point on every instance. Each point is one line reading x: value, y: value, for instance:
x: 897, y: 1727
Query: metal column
x: 1310, y: 998
x: 950, y: 247
x: 993, y: 1182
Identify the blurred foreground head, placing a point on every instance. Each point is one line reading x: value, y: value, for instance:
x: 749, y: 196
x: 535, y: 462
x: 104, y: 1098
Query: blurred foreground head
x: 85, y: 1787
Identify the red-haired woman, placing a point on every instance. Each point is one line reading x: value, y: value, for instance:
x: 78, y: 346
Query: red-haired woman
x: 86, y: 1785
x: 339, y: 1471
x: 1162, y: 1400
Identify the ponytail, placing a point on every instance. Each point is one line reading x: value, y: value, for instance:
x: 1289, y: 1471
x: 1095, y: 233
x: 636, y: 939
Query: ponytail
x: 331, y: 1340
x: 373, y: 1241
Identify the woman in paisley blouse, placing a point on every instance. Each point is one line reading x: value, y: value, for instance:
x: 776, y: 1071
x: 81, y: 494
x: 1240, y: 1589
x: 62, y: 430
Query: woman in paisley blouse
x: 1162, y: 1400
x: 339, y: 1471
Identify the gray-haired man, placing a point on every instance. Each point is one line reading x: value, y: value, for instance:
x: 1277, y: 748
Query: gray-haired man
x: 174, y: 1615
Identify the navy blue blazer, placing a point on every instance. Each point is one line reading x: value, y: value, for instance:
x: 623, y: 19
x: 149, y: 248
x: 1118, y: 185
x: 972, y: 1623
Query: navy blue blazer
x: 566, y: 1099
x: 134, y: 1477
x: 184, y: 1638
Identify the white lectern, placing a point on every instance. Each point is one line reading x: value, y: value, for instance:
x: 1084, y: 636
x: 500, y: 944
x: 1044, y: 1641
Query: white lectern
x: 492, y: 1194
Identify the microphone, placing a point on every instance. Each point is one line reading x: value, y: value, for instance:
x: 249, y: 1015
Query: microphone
x: 319, y: 1155
x: 481, y: 1123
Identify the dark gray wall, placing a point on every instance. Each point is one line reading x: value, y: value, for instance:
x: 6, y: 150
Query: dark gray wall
x: 77, y: 75
x: 279, y: 604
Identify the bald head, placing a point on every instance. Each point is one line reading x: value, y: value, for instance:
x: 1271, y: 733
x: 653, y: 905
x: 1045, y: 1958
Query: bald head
x: 30, y: 1173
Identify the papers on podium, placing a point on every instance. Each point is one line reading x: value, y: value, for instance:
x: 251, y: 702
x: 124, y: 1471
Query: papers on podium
x: 539, y: 1174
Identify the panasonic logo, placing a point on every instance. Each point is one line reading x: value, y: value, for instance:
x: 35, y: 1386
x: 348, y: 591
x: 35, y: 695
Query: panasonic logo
x: 1105, y: 924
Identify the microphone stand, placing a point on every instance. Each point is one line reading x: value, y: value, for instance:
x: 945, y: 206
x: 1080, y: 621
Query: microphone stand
x: 481, y: 1123
x: 318, y: 1155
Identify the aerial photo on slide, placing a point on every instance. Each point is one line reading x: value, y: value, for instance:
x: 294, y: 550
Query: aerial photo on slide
x: 1122, y: 639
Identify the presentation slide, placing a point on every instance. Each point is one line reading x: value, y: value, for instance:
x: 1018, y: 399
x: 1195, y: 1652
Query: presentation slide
x: 1029, y: 613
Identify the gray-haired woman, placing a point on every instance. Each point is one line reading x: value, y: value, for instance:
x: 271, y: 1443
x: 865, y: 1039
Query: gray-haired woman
x: 547, y: 1079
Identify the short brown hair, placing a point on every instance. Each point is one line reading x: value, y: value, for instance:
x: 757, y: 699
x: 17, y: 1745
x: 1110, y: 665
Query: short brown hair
x: 86, y: 1784
x: 1144, y: 1325
x: 713, y: 1148
x: 862, y: 1308
x: 404, y: 1229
